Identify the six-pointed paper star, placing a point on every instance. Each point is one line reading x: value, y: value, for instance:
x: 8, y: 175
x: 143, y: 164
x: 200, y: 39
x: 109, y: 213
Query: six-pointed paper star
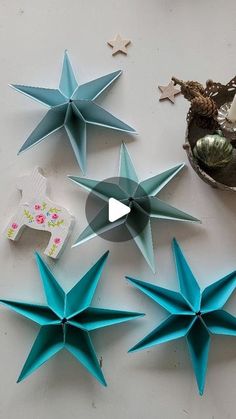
x: 72, y: 106
x: 193, y: 314
x: 141, y: 199
x: 67, y: 319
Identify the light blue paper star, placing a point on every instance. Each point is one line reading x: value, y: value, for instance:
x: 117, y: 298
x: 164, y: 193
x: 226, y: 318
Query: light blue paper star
x: 72, y: 107
x: 193, y: 314
x: 140, y: 196
x: 67, y: 319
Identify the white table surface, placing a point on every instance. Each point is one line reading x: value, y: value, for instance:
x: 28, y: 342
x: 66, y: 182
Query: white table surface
x: 186, y: 38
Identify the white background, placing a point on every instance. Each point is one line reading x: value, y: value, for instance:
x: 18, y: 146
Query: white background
x: 191, y: 40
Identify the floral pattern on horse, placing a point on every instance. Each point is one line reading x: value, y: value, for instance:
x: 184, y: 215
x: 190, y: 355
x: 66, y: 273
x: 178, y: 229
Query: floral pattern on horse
x: 37, y: 211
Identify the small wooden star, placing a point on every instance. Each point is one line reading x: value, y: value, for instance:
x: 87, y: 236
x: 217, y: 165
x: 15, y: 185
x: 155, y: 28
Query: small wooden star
x: 168, y: 92
x: 119, y: 45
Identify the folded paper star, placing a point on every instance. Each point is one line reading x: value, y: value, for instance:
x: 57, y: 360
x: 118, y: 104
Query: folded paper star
x: 72, y: 107
x: 67, y: 319
x: 193, y: 314
x: 140, y: 197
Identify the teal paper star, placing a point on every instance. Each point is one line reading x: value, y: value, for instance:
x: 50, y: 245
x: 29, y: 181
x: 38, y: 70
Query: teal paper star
x: 193, y: 314
x: 72, y: 106
x: 140, y: 197
x: 67, y: 319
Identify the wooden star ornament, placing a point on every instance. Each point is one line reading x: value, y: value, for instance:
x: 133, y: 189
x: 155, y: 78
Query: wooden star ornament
x: 168, y: 92
x: 119, y: 45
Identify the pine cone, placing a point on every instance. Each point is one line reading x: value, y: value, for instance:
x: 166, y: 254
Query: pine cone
x: 189, y: 89
x: 196, y: 86
x: 206, y: 123
x: 204, y: 106
x: 188, y: 92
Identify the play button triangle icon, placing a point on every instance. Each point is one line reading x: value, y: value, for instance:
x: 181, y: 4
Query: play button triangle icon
x: 116, y: 210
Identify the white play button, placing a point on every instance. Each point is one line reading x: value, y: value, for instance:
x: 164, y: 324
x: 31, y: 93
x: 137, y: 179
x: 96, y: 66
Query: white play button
x: 116, y: 210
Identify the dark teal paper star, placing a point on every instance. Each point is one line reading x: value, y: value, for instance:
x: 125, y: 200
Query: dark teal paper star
x: 67, y: 320
x: 72, y: 107
x: 193, y: 314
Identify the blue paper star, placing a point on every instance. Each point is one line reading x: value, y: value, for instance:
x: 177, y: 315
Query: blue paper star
x: 67, y: 319
x: 72, y: 106
x: 193, y: 314
x: 140, y: 196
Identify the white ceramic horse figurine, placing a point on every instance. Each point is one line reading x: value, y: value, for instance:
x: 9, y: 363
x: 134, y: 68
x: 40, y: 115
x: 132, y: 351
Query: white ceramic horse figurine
x: 36, y: 211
